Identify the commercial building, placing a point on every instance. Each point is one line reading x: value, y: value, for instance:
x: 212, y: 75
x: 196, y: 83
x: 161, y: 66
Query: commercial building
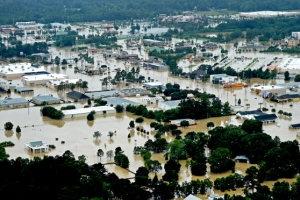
x: 83, y: 112
x: 155, y: 65
x: 20, y: 69
x: 151, y: 42
x: 167, y: 105
x: 135, y: 92
x: 248, y: 114
x: 13, y: 103
x: 54, y: 83
x: 222, y: 78
x: 49, y: 99
x: 103, y: 93
x: 292, y: 96
x: 23, y: 90
x: 77, y: 96
x: 178, y: 121
x: 291, y: 64
x: 119, y: 101
x: 37, y: 147
x: 43, y: 78
x: 266, y: 118
x: 268, y: 91
x: 153, y: 85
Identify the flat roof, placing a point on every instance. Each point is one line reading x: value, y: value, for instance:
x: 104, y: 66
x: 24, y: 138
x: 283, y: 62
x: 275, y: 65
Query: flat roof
x: 44, y: 98
x: 289, y: 63
x: 154, y: 41
x: 103, y: 93
x: 45, y: 77
x: 57, y: 82
x: 153, y: 84
x: 20, y: 68
x: 171, y: 103
x: 87, y: 110
x: 11, y: 101
x: 23, y: 89
x: 268, y: 87
x: 119, y: 101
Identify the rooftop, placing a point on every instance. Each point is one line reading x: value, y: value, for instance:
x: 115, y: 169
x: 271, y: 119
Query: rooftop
x: 11, y: 101
x: 23, y: 89
x: 87, y: 110
x: 264, y: 117
x: 119, y: 101
x: 103, y: 93
x: 19, y: 68
x: 44, y: 98
x: 45, y: 77
x: 289, y: 63
x: 77, y: 95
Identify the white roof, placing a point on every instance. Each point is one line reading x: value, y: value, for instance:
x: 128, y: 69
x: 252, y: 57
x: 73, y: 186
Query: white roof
x: 18, y: 68
x: 87, y: 110
x: 57, y: 82
x: 191, y: 197
x: 153, y: 84
x: 267, y: 87
x: 45, y: 77
x: 289, y: 63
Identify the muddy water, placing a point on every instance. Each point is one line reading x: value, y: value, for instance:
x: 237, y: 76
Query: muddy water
x: 77, y: 133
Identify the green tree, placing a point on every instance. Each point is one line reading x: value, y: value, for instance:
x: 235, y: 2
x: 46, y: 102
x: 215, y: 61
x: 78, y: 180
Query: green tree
x: 64, y: 62
x: 119, y: 108
x: 184, y: 123
x: 110, y: 154
x: 287, y: 76
x: 220, y: 160
x: 145, y: 154
x: 97, y: 134
x: 252, y: 126
x: 226, y: 109
x: 100, y: 153
x: 90, y: 117
x: 153, y: 165
x: 57, y: 60
x: 18, y: 129
x: 89, y: 102
x: 8, y: 126
x: 121, y: 160
x: 141, y: 176
x: 131, y: 124
x: 210, y: 125
x: 239, y: 102
x: 297, y: 78
x: 110, y: 134
x: 139, y: 120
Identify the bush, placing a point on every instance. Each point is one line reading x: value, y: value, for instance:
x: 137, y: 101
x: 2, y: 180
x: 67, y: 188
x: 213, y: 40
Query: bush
x: 51, y: 112
x: 121, y: 160
x: 119, y: 108
x: 18, y: 129
x: 7, y: 144
x: 70, y: 107
x: 90, y: 117
x: 62, y: 142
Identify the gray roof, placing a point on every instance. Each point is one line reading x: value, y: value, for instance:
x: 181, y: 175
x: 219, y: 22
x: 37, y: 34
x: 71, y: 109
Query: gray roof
x: 103, y: 93
x: 119, y: 101
x: 77, y: 95
x: 266, y: 117
x: 12, y: 101
x: 251, y: 112
x: 44, y: 98
x: 23, y: 89
x: 172, y: 104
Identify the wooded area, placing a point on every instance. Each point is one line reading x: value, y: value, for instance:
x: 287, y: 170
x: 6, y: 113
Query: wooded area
x: 45, y: 11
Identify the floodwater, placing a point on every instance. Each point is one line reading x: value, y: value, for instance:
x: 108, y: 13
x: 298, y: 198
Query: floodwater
x: 78, y: 133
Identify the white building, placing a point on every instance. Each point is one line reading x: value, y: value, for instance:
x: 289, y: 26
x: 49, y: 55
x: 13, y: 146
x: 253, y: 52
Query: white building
x: 296, y: 35
x: 265, y: 14
x: 20, y: 69
x: 83, y: 112
x: 153, y: 85
x: 291, y: 64
x: 54, y: 83
x: 37, y: 147
x: 43, y: 78
x: 268, y: 90
x: 177, y: 121
x: 167, y: 105
x: 13, y: 103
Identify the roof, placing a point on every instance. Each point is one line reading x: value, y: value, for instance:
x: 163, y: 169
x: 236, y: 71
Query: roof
x: 265, y: 117
x: 77, y: 95
x: 241, y: 157
x: 44, y: 98
x: 119, y: 101
x: 153, y: 41
x: 103, y: 93
x: 23, y: 89
x: 36, y: 144
x: 87, y: 110
x: 191, y: 197
x: 251, y: 112
x: 295, y: 125
x: 153, y: 84
x: 171, y: 104
x: 11, y: 101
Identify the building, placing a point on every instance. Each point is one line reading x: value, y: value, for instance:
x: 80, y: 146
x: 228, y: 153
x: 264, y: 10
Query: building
x: 266, y: 118
x: 296, y: 35
x: 83, y: 112
x: 153, y: 85
x: 77, y: 96
x: 157, y: 65
x: 235, y: 109
x: 43, y: 78
x: 177, y: 121
x: 103, y: 93
x: 135, y: 92
x: 25, y: 23
x: 23, y: 90
x: 13, y: 103
x: 291, y: 64
x: 292, y: 42
x: 211, y: 46
x: 49, y: 99
x: 248, y: 114
x: 215, y: 196
x: 196, y: 74
x: 222, y: 78
x: 266, y: 14
x: 20, y: 69
x: 150, y: 42
x: 192, y: 197
x: 251, y: 47
x: 119, y: 101
x: 37, y: 147
x: 268, y: 91
x: 292, y: 96
x: 242, y: 158
x: 295, y: 126
x: 167, y: 105
x: 54, y: 83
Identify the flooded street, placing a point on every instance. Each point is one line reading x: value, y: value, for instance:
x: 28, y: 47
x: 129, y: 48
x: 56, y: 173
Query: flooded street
x: 78, y: 133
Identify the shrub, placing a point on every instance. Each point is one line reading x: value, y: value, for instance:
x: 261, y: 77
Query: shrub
x: 62, y: 142
x: 18, y: 129
x: 90, y: 117
x: 8, y: 126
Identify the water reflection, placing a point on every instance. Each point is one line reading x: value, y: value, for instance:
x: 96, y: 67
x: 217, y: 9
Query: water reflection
x: 9, y: 133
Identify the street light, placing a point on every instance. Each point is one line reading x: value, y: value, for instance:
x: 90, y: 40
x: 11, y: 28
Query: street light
x: 234, y: 99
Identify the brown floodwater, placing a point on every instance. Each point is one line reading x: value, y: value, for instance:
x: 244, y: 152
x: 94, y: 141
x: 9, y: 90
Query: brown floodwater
x: 78, y: 133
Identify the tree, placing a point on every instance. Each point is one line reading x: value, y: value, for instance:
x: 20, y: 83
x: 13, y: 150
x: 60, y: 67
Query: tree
x: 18, y: 129
x: 153, y: 91
x: 145, y: 154
x: 220, y: 160
x: 57, y: 60
x: 210, y: 125
x: 184, y: 123
x: 8, y: 126
x: 72, y: 86
x: 226, y: 109
x: 297, y: 78
x: 141, y: 176
x: 97, y: 134
x: 90, y: 117
x: 121, y: 160
x: 119, y: 108
x: 172, y: 165
x: 280, y: 112
x: 110, y: 154
x: 64, y: 62
x: 153, y: 165
x: 252, y: 126
x: 239, y: 102
x: 100, y: 153
x: 110, y: 134
x: 131, y: 124
x: 8, y: 92
x: 139, y: 120
x: 89, y: 102
x: 287, y: 76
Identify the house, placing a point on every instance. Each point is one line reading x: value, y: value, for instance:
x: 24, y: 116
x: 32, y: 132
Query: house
x: 266, y: 118
x: 77, y: 96
x: 292, y: 42
x: 153, y: 85
x: 49, y: 99
x: 13, y: 103
x: 37, y: 147
x: 242, y: 158
x: 196, y: 74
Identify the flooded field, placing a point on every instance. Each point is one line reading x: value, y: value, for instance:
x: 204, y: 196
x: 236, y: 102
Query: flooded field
x: 78, y: 133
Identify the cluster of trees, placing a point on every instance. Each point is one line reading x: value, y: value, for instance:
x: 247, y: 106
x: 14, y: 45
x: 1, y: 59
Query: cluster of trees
x: 51, y: 112
x: 26, y: 49
x: 69, y: 107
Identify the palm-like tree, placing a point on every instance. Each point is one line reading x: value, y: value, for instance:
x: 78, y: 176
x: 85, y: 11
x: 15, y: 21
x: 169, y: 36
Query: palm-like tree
x: 100, y: 153
x: 110, y: 134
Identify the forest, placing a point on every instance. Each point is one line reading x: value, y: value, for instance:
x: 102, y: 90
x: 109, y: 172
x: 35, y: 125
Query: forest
x: 44, y: 11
